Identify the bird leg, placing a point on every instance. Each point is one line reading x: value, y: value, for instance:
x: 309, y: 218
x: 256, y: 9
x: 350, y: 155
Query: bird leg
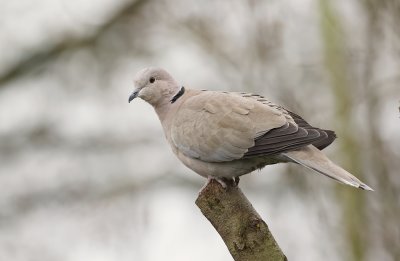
x: 225, y: 182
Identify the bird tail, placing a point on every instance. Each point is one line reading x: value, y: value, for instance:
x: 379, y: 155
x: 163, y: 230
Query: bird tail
x: 312, y: 158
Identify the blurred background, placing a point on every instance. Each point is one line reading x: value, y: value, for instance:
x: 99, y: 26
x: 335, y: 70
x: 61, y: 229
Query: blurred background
x: 86, y: 176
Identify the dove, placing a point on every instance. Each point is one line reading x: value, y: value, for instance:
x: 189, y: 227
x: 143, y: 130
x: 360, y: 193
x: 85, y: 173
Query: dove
x: 224, y: 135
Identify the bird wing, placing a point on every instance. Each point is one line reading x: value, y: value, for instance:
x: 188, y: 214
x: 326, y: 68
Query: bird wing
x: 321, y: 143
x: 224, y: 126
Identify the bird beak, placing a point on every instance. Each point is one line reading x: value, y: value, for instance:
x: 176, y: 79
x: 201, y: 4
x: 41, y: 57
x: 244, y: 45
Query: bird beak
x: 133, y: 95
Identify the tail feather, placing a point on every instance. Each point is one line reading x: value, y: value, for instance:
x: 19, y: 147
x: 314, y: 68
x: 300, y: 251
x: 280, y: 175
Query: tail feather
x: 312, y: 158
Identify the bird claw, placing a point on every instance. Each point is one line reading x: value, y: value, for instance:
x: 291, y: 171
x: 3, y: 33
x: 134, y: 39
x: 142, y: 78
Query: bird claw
x: 236, y: 180
x: 224, y: 182
x: 209, y: 179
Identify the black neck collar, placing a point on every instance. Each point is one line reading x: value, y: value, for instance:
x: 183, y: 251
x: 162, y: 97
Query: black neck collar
x: 178, y: 95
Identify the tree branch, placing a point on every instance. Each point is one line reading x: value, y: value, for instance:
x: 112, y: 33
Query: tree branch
x: 244, y: 232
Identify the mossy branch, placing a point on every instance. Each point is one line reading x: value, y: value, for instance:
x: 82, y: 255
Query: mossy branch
x: 244, y: 232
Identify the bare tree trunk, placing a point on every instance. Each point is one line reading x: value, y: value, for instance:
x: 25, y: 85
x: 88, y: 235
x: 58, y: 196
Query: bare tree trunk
x: 244, y: 232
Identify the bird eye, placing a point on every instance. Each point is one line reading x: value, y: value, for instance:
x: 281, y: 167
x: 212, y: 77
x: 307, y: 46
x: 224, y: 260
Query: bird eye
x: 152, y: 79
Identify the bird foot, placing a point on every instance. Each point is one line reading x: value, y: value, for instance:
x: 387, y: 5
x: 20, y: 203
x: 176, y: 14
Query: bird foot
x: 221, y: 181
x: 210, y: 178
x: 236, y: 179
x: 224, y: 182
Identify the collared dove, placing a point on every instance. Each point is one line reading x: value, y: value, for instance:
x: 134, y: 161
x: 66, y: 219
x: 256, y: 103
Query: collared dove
x: 223, y: 135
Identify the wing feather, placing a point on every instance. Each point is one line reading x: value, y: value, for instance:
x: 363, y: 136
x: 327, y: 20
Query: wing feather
x: 218, y: 127
x: 328, y: 135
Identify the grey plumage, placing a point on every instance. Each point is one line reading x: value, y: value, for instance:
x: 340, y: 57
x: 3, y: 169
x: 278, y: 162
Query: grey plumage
x: 228, y: 134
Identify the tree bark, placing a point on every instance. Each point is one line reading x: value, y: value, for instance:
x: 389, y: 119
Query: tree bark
x: 244, y: 232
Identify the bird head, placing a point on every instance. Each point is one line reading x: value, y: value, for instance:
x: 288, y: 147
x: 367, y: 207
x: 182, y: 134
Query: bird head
x: 154, y: 85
